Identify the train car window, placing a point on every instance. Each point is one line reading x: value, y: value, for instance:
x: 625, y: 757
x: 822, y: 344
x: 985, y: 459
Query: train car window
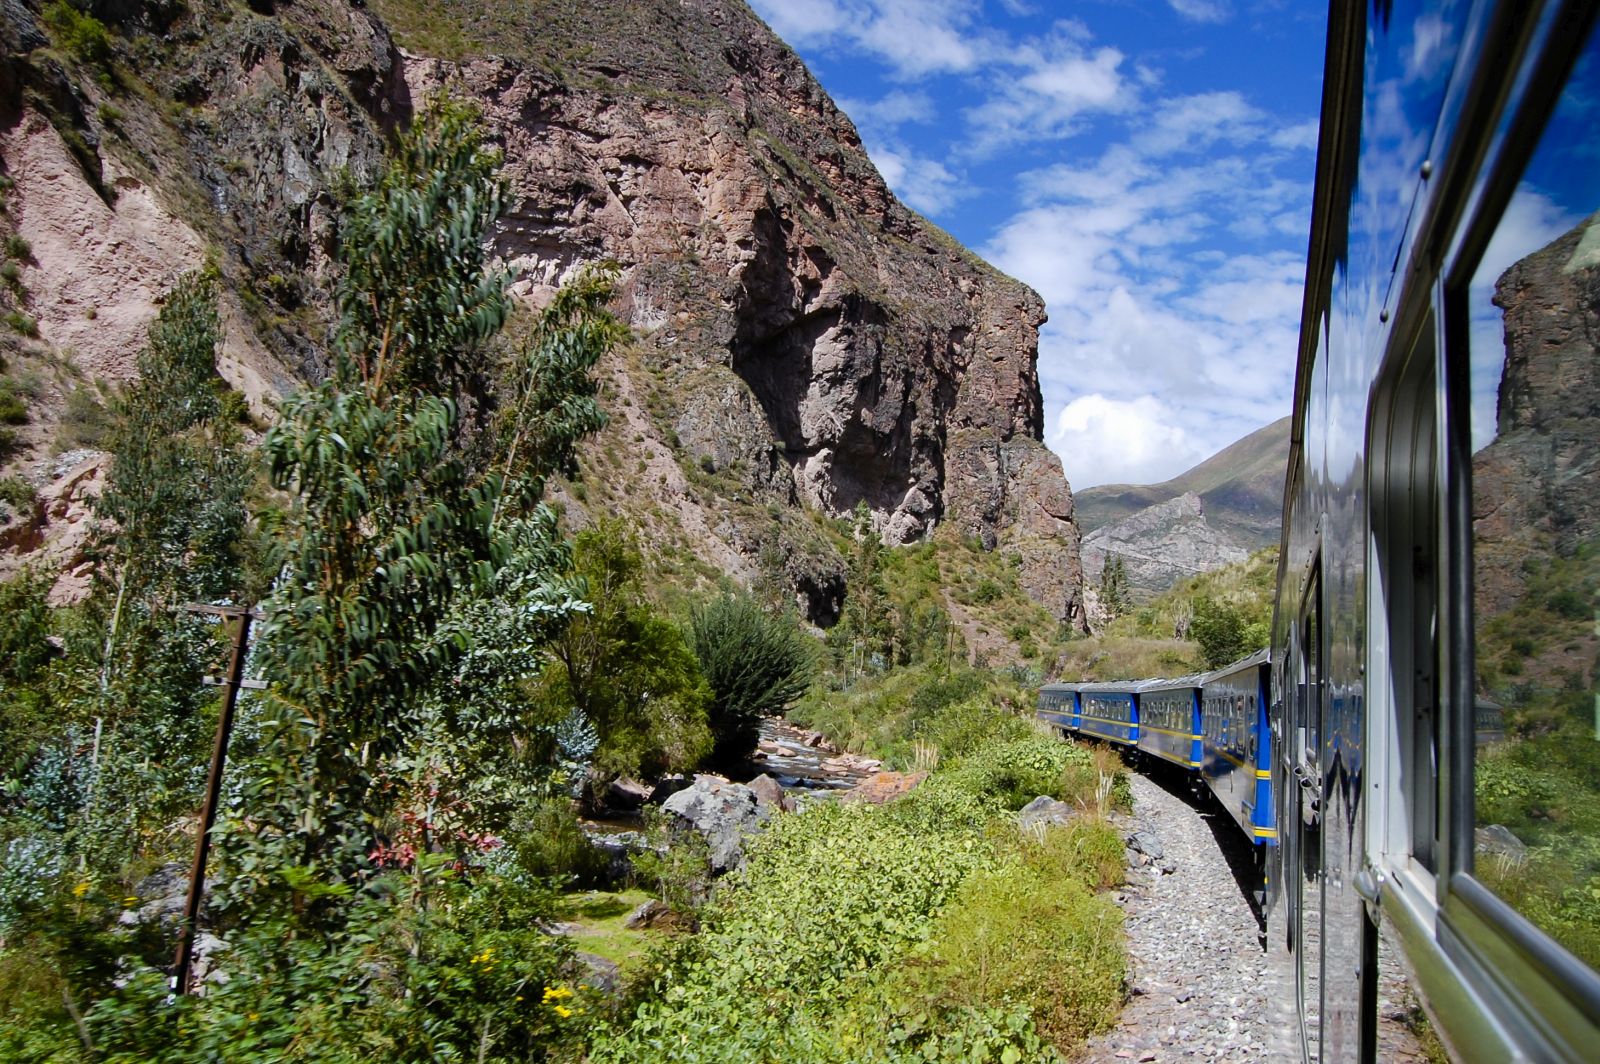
x: 1531, y: 318
x: 1404, y: 484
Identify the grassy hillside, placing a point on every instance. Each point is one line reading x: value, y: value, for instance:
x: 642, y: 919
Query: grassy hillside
x: 1241, y: 485
x: 1152, y: 640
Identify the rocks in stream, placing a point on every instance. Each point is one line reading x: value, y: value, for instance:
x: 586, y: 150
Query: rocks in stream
x: 770, y: 798
x: 627, y: 794
x: 667, y: 786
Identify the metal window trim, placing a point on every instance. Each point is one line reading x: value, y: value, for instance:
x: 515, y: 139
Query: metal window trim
x: 1473, y: 1033
x: 1479, y: 933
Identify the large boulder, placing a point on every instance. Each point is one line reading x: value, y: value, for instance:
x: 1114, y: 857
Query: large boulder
x: 722, y: 813
x: 617, y: 851
x: 626, y: 794
x: 1044, y: 812
x: 885, y: 786
x: 160, y: 897
x: 770, y: 798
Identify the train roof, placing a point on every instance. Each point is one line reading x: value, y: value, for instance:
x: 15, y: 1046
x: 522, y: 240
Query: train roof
x: 1060, y: 685
x: 1173, y: 683
x: 1126, y: 687
x: 1250, y: 661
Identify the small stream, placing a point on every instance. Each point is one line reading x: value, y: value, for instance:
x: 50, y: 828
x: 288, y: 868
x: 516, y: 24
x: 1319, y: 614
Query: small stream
x: 808, y: 773
x: 784, y: 754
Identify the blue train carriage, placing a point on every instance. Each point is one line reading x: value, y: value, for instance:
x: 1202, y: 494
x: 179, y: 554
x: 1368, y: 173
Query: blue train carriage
x: 1110, y: 711
x: 1059, y: 707
x: 1169, y: 720
x: 1236, y: 760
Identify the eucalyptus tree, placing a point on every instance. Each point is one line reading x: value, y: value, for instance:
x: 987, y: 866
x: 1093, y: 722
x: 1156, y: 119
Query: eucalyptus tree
x: 416, y: 566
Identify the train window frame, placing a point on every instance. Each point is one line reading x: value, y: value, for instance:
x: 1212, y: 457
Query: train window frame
x: 1555, y: 995
x: 1404, y: 802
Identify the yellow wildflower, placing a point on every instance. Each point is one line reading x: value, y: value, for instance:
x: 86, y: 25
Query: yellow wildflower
x: 563, y: 1011
x: 81, y: 889
x: 556, y: 993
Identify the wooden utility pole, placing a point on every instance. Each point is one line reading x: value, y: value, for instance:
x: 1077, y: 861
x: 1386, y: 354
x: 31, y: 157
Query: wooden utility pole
x: 231, y: 684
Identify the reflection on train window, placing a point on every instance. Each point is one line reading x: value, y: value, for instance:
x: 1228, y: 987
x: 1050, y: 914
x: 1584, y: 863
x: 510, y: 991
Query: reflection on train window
x: 1535, y: 423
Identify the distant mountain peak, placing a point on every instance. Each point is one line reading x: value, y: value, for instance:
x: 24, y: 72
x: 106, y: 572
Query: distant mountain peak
x: 1212, y: 515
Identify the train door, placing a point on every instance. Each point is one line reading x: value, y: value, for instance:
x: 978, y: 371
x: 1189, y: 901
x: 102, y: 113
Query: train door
x: 1306, y: 822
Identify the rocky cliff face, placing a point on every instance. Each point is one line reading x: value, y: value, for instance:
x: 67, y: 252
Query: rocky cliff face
x: 1161, y: 545
x: 804, y: 342
x: 1533, y: 486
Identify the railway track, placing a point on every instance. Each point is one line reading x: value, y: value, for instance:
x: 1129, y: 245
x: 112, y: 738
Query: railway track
x: 1197, y: 975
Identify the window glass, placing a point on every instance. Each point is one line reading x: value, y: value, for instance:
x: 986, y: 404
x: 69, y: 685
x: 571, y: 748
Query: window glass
x: 1535, y: 422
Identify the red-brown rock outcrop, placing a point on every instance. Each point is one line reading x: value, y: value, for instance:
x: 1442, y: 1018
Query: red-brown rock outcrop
x: 804, y: 340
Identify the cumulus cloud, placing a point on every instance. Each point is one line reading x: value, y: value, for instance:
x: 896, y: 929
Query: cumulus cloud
x: 914, y: 37
x: 894, y: 109
x: 1055, y: 85
x: 1111, y: 441
x: 1145, y: 309
x: 1190, y: 123
x: 1302, y: 136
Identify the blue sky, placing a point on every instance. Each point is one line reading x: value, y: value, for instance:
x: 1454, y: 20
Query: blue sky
x: 1145, y: 165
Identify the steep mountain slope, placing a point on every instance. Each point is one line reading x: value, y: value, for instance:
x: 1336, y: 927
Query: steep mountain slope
x: 805, y: 345
x: 1161, y: 545
x: 1241, y: 487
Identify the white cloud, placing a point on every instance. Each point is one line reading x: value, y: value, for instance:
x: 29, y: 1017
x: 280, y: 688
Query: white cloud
x: 1201, y: 10
x: 1189, y: 123
x: 803, y: 21
x: 1055, y: 85
x: 895, y: 109
x: 1111, y: 441
x: 1140, y: 308
x: 914, y: 37
x: 1299, y: 137
x: 925, y: 184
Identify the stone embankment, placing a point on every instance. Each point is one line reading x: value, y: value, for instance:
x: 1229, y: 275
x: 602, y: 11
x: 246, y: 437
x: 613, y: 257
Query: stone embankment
x: 1198, y: 978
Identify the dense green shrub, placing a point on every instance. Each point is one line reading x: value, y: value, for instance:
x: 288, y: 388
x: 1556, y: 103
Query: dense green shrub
x: 17, y: 494
x: 1031, y: 931
x: 756, y: 663
x: 921, y: 710
x: 13, y: 408
x: 854, y: 934
x: 1225, y: 633
x: 85, y: 421
x: 625, y: 668
x: 1014, y: 773
x: 547, y: 842
x: 825, y: 898
x: 21, y: 324
x: 959, y: 728
x: 471, y: 978
x: 81, y: 34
